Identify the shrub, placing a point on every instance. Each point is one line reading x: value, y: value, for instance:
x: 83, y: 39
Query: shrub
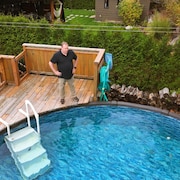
x: 130, y: 11
x: 159, y: 26
x: 172, y: 8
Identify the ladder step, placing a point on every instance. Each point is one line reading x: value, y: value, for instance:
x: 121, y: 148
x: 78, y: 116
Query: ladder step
x: 20, y: 133
x: 33, y: 153
x: 25, y: 146
x: 24, y: 143
x: 37, y: 169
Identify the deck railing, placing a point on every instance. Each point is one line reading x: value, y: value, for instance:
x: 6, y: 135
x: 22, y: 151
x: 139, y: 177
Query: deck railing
x: 35, y: 57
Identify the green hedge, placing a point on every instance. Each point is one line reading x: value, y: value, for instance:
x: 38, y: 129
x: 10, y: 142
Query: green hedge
x: 139, y: 60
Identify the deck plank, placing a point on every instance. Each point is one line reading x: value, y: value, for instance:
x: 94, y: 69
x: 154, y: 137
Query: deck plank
x: 43, y: 93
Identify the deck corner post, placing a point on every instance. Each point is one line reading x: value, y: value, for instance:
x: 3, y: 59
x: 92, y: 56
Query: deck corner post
x: 15, y: 71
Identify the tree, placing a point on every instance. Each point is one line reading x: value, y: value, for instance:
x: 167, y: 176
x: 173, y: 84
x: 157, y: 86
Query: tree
x: 130, y: 11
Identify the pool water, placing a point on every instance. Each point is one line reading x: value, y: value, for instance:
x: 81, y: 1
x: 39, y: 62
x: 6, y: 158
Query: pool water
x: 105, y: 142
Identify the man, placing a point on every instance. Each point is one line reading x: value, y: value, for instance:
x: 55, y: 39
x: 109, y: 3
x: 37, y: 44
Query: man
x: 66, y: 61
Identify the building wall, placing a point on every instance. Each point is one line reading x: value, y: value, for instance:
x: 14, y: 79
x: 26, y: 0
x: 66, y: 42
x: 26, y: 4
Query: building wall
x: 106, y: 14
x: 111, y: 12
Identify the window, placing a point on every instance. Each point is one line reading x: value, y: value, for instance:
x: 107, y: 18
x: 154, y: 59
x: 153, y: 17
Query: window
x: 106, y: 3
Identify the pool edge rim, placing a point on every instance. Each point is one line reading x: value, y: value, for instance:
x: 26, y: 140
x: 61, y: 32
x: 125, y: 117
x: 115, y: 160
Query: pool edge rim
x: 140, y: 106
x: 115, y: 103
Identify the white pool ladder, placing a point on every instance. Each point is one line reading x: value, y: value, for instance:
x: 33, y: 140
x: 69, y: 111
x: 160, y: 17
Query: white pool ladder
x: 25, y: 146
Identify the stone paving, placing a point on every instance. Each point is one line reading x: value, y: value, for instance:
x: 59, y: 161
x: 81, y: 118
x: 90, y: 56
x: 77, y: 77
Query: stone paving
x: 72, y: 16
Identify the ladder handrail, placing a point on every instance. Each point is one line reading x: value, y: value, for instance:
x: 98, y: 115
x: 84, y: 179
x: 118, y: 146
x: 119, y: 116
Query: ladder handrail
x: 27, y: 103
x: 7, y: 126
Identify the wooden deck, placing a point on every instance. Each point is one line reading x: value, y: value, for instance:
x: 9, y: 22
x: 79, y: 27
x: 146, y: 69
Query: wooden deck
x: 43, y: 92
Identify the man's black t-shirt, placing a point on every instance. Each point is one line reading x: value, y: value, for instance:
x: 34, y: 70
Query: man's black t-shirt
x: 64, y: 63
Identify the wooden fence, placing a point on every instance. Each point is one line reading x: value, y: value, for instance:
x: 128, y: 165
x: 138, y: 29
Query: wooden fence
x: 35, y: 57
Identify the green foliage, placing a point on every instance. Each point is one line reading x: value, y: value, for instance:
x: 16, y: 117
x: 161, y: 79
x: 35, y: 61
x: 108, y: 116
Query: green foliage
x: 130, y: 11
x: 7, y: 18
x: 173, y: 67
x: 159, y: 26
x: 56, y: 35
x: 89, y: 39
x: 74, y: 37
x: 172, y: 8
x: 139, y: 60
x: 142, y: 61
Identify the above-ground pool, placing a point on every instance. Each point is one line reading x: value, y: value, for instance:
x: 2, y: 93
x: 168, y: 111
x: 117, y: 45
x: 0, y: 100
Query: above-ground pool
x: 105, y: 142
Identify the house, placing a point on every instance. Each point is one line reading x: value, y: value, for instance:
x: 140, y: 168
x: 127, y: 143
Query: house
x: 107, y: 10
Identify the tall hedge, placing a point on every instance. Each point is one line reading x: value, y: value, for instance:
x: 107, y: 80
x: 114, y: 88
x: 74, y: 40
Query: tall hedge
x: 139, y: 59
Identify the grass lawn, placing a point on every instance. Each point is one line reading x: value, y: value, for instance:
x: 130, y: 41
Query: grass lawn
x: 79, y: 12
x: 83, y: 17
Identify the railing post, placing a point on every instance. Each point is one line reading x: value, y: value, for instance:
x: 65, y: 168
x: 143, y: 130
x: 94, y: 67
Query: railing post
x: 15, y: 71
x: 7, y: 126
x: 97, y: 65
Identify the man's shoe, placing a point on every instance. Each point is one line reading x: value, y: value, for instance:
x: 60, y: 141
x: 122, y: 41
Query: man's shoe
x: 75, y: 99
x: 62, y: 101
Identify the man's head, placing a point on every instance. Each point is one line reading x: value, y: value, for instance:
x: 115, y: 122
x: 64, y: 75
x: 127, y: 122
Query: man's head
x: 64, y: 48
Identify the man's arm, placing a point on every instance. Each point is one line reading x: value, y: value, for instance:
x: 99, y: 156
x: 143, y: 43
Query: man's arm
x: 56, y: 72
x: 74, y: 66
x: 75, y: 62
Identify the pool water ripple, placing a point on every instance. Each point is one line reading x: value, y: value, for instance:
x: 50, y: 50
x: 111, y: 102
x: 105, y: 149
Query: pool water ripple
x: 107, y: 142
